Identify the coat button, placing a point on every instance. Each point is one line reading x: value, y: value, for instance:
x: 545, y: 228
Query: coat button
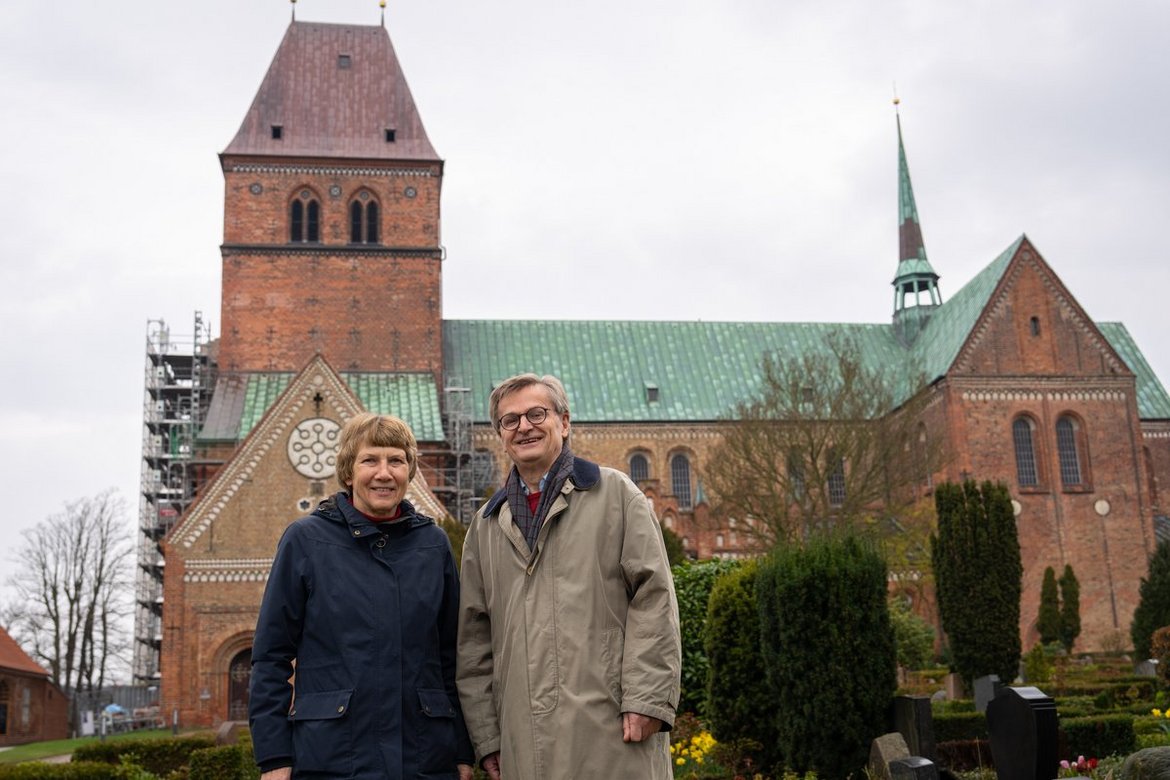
x: 357, y: 533
x: 381, y: 542
x: 341, y: 709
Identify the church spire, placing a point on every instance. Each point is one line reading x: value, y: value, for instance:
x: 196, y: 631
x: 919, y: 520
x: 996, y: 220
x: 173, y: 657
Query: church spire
x: 916, y: 293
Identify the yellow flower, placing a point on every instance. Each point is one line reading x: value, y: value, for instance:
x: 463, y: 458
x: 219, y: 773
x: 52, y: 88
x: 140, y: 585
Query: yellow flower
x: 1156, y: 713
x: 680, y: 761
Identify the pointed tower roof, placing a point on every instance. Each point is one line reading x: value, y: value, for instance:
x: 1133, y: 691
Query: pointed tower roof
x: 916, y: 292
x: 334, y: 90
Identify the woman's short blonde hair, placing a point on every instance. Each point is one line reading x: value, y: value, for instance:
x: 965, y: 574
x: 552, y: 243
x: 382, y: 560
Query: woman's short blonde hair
x: 373, y: 430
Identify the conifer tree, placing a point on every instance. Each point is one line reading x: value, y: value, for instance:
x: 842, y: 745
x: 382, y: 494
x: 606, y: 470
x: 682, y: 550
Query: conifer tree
x: 978, y: 573
x: 1153, y: 609
x: 1070, y: 608
x: 1048, y: 621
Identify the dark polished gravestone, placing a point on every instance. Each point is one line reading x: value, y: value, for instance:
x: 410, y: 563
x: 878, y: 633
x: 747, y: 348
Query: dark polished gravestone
x: 915, y: 722
x: 1023, y: 728
x: 913, y: 768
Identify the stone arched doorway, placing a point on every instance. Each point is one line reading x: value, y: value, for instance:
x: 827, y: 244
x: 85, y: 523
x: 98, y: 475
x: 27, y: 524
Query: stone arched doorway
x: 239, y: 680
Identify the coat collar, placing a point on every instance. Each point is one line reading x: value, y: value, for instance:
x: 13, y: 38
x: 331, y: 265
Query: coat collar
x: 339, y: 509
x: 585, y: 475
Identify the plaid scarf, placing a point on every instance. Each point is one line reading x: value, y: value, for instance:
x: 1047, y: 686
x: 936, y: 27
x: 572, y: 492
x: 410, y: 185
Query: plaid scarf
x: 528, y: 522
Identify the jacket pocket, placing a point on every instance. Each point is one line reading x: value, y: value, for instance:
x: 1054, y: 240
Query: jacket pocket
x: 613, y: 642
x: 322, y: 732
x: 436, y: 732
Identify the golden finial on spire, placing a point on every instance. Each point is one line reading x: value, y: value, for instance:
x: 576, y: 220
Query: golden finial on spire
x: 382, y: 5
x: 897, y: 99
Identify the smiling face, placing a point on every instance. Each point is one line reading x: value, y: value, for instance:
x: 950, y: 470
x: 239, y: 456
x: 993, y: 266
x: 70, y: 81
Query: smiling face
x: 380, y: 477
x: 533, y: 448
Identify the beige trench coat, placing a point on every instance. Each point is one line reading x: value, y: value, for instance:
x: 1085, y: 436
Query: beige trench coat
x: 555, y: 645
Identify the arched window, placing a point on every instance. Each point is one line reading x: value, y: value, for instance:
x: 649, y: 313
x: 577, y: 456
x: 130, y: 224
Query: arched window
x: 639, y: 467
x: 1069, y: 451
x: 796, y: 486
x: 304, y: 219
x: 836, y: 480
x: 680, y: 480
x: 1024, y: 439
x: 363, y: 220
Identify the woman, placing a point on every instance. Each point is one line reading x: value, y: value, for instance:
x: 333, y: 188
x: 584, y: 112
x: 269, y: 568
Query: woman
x: 363, y: 597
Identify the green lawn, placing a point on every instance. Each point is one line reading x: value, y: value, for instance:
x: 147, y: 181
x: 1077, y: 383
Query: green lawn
x: 61, y: 747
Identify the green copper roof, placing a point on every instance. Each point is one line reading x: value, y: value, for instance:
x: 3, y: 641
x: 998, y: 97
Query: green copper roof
x: 413, y: 397
x: 700, y: 369
x: 1152, y: 400
x: 944, y: 335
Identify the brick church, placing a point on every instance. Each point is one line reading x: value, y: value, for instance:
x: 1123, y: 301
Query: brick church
x: 332, y: 303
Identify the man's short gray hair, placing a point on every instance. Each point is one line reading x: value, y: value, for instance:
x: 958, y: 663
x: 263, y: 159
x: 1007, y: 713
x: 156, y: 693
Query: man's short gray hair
x: 556, y: 391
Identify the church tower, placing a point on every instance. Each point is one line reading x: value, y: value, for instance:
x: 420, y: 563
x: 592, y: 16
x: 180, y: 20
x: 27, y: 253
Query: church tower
x: 916, y: 293
x: 331, y: 214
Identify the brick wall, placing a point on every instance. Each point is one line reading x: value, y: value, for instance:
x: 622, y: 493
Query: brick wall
x: 368, y: 307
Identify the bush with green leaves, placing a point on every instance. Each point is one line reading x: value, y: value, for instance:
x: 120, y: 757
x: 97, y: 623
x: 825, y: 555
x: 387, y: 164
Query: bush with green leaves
x: 828, y: 650
x: 1037, y: 665
x: 1153, y: 609
x: 157, y: 755
x: 1098, y: 735
x: 692, y: 585
x: 913, y: 636
x: 978, y: 575
x: 78, y: 770
x: 739, y: 709
x: 227, y: 762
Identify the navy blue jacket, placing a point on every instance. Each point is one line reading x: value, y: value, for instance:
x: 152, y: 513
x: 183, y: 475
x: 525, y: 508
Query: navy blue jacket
x: 369, y: 613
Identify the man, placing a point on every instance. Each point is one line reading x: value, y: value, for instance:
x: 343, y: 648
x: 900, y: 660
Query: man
x: 569, y: 651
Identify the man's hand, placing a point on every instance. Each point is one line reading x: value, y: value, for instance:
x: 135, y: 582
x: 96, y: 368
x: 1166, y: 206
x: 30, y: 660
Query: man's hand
x: 636, y: 728
x: 491, y: 765
x: 284, y: 773
x: 465, y: 771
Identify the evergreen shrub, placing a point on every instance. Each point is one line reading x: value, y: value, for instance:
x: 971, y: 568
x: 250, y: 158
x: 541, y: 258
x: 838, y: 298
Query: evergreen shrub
x: 692, y: 585
x: 1153, y: 609
x: 958, y: 726
x: 1048, y: 621
x: 77, y: 770
x: 228, y: 762
x: 1098, y: 736
x: 739, y: 708
x: 157, y: 755
x: 1160, y: 649
x: 978, y: 575
x: 829, y: 652
x: 1070, y: 608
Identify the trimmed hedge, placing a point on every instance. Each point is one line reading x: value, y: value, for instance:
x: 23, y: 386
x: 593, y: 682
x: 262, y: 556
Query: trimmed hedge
x: 83, y: 770
x: 1098, y: 737
x: 1125, y: 694
x: 157, y: 755
x: 959, y: 726
x: 229, y: 762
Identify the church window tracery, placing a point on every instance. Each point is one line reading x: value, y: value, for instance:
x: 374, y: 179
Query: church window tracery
x: 363, y: 220
x: 304, y: 219
x: 680, y: 480
x: 1024, y: 440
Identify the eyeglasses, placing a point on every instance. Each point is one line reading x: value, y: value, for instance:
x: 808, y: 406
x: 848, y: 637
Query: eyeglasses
x: 535, y: 415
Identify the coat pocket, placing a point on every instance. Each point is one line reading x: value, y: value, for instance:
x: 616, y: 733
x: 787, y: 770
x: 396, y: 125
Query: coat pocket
x: 322, y: 731
x: 436, y: 731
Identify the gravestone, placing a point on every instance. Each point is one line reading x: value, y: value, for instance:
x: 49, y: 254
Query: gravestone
x: 985, y: 689
x: 913, y: 768
x: 914, y: 721
x: 883, y: 750
x: 1147, y: 668
x: 1023, y: 728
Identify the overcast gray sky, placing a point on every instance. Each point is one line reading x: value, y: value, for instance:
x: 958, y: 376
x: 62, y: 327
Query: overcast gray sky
x: 613, y: 159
